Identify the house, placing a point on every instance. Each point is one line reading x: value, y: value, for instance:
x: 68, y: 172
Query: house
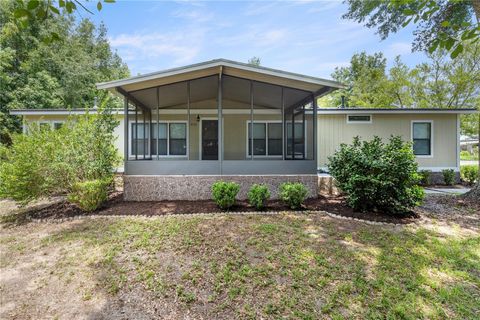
x: 184, y: 128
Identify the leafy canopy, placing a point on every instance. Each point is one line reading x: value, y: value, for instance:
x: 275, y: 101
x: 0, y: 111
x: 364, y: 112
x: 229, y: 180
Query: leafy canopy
x: 61, y: 74
x: 439, y: 24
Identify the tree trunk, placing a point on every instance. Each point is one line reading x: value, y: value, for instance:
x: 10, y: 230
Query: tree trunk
x: 474, y: 194
x: 476, y: 8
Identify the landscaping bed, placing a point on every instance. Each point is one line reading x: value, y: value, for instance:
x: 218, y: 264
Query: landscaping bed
x: 116, y: 206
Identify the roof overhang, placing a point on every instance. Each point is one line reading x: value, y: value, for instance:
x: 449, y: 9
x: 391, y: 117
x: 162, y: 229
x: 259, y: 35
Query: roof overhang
x: 56, y: 112
x: 394, y: 111
x: 227, y: 67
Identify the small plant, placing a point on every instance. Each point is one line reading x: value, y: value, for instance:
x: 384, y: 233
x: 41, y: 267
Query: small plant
x: 90, y: 195
x: 448, y: 176
x: 258, y: 196
x: 224, y: 193
x: 293, y: 194
x: 425, y: 177
x: 469, y: 173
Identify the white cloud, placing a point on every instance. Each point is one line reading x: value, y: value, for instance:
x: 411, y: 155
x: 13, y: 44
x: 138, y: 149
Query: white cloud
x: 182, y: 47
x: 398, y: 48
x: 196, y: 16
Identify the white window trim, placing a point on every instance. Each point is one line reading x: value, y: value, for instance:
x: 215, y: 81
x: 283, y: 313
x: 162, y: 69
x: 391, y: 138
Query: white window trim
x: 51, y: 123
x: 432, y: 135
x: 266, y: 139
x: 147, y: 153
x: 359, y: 122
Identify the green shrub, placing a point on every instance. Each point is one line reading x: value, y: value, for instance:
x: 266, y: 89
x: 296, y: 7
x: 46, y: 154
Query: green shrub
x: 465, y: 155
x: 448, y: 176
x: 89, y: 195
x: 224, y: 193
x: 377, y: 176
x: 425, y: 177
x: 469, y: 173
x: 293, y: 194
x: 48, y: 162
x: 258, y: 196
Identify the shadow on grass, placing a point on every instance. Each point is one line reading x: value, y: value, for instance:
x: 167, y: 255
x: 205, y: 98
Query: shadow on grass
x: 283, y: 266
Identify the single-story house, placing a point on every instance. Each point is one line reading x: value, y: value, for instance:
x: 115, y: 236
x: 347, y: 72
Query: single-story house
x: 182, y: 129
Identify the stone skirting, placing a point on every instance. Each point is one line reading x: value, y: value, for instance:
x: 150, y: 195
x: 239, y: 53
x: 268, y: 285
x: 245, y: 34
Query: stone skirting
x: 192, y: 187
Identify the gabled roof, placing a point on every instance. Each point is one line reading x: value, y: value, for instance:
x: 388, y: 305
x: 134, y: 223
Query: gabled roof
x: 228, y: 67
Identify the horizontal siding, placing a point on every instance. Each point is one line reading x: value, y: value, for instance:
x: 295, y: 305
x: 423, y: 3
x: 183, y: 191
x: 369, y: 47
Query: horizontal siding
x: 334, y: 130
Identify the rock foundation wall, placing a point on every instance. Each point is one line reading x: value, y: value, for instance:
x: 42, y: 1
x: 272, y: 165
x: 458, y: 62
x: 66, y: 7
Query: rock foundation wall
x: 157, y: 188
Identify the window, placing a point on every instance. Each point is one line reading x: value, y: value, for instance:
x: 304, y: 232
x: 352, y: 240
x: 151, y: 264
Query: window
x: 139, y: 145
x: 57, y: 125
x: 267, y: 138
x: 177, y: 139
x: 361, y: 118
x: 422, y: 138
x: 170, y: 138
x: 299, y: 133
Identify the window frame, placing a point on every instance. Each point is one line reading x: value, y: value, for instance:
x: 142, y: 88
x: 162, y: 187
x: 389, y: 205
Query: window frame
x: 359, y: 122
x: 431, y: 138
x: 284, y: 150
x: 148, y: 151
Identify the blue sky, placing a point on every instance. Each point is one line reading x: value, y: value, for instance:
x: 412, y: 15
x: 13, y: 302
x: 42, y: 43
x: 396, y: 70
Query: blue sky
x: 303, y: 36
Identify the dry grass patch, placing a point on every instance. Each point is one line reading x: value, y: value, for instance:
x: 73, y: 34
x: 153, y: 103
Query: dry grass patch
x: 284, y: 266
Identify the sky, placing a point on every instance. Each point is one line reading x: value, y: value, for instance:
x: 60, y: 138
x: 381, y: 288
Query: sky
x: 307, y: 37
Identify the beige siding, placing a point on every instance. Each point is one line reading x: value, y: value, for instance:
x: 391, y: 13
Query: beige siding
x: 334, y: 130
x: 119, y: 141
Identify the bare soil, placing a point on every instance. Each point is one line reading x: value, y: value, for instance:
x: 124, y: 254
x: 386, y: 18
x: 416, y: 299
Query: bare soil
x: 116, y: 206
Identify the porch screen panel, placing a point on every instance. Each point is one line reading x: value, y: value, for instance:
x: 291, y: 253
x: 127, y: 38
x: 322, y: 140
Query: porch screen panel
x: 267, y: 119
x: 139, y: 139
x: 178, y: 139
x: 159, y: 137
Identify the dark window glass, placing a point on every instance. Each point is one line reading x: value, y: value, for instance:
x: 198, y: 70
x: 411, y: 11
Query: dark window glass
x: 178, y: 139
x: 259, y: 139
x: 359, y: 118
x: 299, y: 143
x: 422, y: 135
x: 139, y: 143
x: 275, y: 139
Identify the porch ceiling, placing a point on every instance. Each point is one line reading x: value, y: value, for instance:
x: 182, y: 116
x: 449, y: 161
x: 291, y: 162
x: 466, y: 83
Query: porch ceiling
x: 172, y: 85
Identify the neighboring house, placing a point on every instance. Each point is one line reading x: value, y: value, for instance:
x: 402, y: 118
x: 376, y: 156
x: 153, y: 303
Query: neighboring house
x: 175, y: 146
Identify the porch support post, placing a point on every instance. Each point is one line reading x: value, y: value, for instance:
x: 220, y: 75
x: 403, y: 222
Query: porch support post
x: 293, y: 133
x: 188, y: 125
x: 144, y: 135
x: 303, y: 132
x: 251, y: 120
x: 284, y: 139
x: 136, y: 133
x: 158, y: 122
x: 220, y: 120
x: 125, y: 140
x: 150, y: 133
x: 315, y: 120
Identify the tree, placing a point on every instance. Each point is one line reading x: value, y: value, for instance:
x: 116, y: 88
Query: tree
x: 365, y: 79
x: 440, y: 24
x: 254, y: 61
x: 60, y: 74
x: 34, y: 11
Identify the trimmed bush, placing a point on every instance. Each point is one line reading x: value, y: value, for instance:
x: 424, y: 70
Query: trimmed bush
x: 258, y: 196
x: 377, y: 176
x: 224, y: 193
x: 293, y: 194
x: 90, y: 195
x: 469, y: 173
x: 425, y: 177
x: 448, y: 176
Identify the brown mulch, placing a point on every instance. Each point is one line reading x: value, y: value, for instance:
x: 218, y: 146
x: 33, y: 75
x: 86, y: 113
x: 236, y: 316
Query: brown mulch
x: 116, y: 206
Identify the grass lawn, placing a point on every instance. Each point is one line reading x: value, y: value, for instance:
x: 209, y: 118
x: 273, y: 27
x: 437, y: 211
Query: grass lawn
x: 306, y: 266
